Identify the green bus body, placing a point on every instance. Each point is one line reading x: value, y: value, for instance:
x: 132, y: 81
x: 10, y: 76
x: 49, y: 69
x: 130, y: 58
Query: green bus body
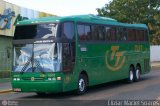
x: 100, y: 60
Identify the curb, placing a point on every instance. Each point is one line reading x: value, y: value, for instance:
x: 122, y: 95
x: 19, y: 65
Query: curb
x: 155, y: 65
x: 6, y: 91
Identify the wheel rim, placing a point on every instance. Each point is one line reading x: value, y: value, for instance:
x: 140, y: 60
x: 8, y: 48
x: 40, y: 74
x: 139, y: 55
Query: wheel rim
x: 81, y: 85
x: 137, y: 74
x: 131, y: 75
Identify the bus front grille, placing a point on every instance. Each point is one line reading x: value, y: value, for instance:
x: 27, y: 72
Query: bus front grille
x: 32, y: 78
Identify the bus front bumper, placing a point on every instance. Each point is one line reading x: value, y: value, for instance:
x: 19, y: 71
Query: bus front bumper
x: 49, y: 87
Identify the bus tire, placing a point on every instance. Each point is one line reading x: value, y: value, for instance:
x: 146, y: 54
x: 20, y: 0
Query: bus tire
x: 82, y: 84
x: 131, y: 75
x: 137, y: 74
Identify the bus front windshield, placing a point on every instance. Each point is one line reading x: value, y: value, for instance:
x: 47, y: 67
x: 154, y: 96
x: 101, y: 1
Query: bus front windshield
x: 37, y: 31
x: 37, y: 57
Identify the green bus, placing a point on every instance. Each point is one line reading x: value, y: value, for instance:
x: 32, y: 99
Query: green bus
x: 60, y: 54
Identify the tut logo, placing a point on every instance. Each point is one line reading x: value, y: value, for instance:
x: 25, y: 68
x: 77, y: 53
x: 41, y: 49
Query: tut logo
x: 32, y: 79
x: 116, y: 57
x: 6, y: 18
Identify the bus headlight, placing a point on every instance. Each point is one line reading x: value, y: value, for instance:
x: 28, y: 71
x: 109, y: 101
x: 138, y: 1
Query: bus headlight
x: 49, y: 79
x: 16, y: 79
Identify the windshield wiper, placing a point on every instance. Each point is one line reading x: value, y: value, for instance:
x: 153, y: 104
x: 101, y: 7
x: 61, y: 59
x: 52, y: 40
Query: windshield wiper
x: 26, y: 65
x: 39, y: 66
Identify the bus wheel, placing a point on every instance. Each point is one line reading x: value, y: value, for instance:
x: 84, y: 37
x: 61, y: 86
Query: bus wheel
x: 131, y: 75
x: 82, y: 84
x: 137, y: 74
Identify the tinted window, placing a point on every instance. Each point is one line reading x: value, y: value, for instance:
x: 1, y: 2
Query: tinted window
x: 84, y: 32
x: 68, y: 30
x: 113, y: 34
x: 98, y: 32
x: 140, y: 35
x: 88, y: 32
x: 95, y: 32
x: 42, y: 31
x: 101, y: 33
x: 121, y: 34
x: 131, y: 34
x: 107, y: 33
x: 146, y: 35
x: 81, y: 33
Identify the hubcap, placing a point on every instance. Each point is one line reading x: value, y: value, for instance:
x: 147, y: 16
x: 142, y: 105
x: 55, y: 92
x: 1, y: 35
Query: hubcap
x: 137, y: 73
x: 81, y: 84
x: 131, y: 75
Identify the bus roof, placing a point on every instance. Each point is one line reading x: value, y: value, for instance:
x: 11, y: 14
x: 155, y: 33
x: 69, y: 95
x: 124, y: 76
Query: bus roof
x: 81, y: 18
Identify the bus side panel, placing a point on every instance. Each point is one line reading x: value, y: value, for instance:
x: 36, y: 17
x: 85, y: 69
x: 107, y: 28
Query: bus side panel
x: 104, y: 62
x: 110, y: 62
x: 139, y: 54
x: 70, y: 79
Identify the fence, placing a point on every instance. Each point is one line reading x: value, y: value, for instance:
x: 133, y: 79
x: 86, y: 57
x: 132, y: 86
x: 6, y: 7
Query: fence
x: 155, y: 53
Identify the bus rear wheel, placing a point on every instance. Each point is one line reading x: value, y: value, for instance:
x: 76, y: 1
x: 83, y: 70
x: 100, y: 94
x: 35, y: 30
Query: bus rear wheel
x: 131, y: 75
x: 82, y: 84
x: 137, y: 74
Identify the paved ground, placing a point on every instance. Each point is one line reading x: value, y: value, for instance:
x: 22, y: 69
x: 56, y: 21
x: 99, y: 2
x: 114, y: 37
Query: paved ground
x: 5, y: 85
x: 146, y: 89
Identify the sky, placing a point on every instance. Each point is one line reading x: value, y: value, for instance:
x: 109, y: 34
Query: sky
x: 62, y: 7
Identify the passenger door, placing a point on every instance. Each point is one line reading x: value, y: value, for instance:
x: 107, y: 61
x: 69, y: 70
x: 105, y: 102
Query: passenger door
x: 68, y: 56
x: 68, y: 44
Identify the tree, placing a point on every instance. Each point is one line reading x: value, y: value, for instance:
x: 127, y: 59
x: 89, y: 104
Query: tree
x: 155, y: 30
x: 134, y: 11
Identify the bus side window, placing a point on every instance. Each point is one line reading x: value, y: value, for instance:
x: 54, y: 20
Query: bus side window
x: 88, y: 32
x: 101, y: 33
x: 121, y: 34
x: 131, y: 34
x: 140, y: 35
x: 95, y: 32
x: 81, y: 34
x: 84, y: 32
x: 98, y: 32
x: 107, y: 33
x: 124, y: 36
x: 68, y: 30
x: 113, y: 34
x: 146, y: 35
